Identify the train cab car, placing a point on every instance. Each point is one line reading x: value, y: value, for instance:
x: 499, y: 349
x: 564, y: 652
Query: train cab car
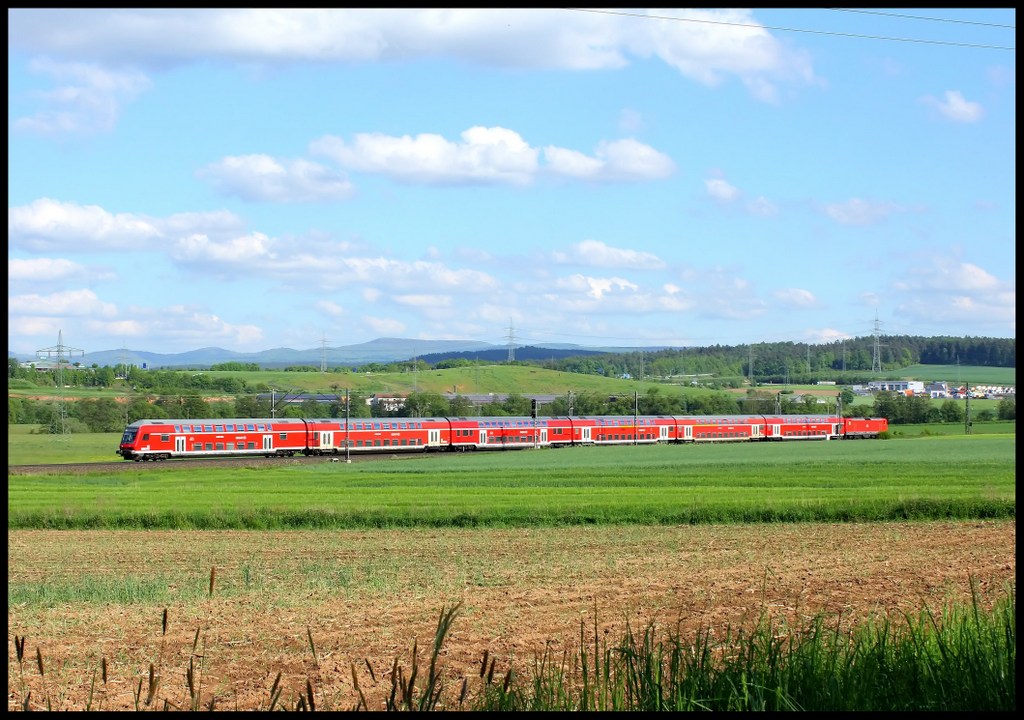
x: 802, y: 427
x: 217, y: 437
x: 864, y: 427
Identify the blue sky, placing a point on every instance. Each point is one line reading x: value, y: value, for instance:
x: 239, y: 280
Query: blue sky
x: 253, y: 179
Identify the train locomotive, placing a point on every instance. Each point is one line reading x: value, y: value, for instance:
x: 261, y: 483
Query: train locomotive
x: 149, y: 440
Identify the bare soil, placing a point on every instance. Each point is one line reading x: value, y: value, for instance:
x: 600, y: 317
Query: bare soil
x: 364, y: 598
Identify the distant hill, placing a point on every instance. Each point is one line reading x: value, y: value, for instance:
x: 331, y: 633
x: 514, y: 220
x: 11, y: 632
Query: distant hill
x: 381, y: 350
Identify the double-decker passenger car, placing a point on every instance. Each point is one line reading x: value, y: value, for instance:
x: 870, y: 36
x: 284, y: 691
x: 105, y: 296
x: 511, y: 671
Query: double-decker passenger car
x: 270, y: 437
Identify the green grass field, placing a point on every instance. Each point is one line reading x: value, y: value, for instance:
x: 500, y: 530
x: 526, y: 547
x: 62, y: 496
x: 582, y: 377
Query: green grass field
x: 929, y: 478
x: 501, y: 378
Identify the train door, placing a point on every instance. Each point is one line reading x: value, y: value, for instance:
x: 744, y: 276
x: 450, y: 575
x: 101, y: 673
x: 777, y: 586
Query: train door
x: 687, y: 432
x: 755, y: 431
x: 664, y: 432
x: 179, y: 444
x: 544, y: 436
x: 776, y: 431
x: 483, y: 438
x: 433, y: 438
x: 837, y: 429
x: 585, y: 434
x: 268, y: 442
x: 326, y: 438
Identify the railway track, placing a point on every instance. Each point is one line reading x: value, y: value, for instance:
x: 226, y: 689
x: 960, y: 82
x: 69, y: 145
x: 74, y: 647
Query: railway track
x: 122, y: 465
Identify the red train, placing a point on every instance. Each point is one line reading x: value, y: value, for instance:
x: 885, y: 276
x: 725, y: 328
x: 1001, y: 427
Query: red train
x: 269, y: 437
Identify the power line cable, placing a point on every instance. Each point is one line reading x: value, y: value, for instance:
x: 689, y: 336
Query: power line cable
x: 920, y: 17
x: 788, y: 29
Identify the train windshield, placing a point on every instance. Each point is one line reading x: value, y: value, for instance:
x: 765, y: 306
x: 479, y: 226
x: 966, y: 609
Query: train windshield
x: 129, y: 436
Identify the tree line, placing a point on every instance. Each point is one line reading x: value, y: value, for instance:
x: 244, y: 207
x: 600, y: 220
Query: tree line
x: 109, y: 415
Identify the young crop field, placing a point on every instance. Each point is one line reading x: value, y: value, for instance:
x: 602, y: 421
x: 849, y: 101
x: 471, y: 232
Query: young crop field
x: 962, y: 477
x: 196, y: 585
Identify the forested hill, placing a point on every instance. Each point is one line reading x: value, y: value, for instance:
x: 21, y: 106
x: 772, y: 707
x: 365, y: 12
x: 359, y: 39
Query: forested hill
x: 799, y: 361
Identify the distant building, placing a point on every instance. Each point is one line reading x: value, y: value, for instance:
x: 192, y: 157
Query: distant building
x: 901, y: 386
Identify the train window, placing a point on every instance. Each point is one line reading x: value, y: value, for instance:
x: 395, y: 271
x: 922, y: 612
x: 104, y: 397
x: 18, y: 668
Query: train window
x: 229, y: 428
x: 376, y: 426
x: 359, y: 443
x: 218, y: 428
x: 250, y: 427
x: 208, y: 428
x: 259, y: 427
x: 230, y: 446
x: 283, y: 436
x: 145, y: 436
x: 250, y: 446
x: 376, y: 443
x: 197, y: 447
x: 402, y: 425
x: 209, y: 446
x: 165, y: 438
x: 220, y: 446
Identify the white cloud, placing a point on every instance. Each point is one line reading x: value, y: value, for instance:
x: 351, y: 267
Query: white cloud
x: 331, y: 309
x: 47, y: 270
x: 955, y: 107
x: 796, y: 297
x: 424, y: 301
x: 943, y: 290
x: 49, y: 225
x: 616, y: 160
x: 860, y: 212
x: 594, y: 287
x: 721, y: 190
x: 88, y: 102
x: 487, y: 155
x: 244, y: 249
x: 598, y: 254
x: 763, y: 207
x: 73, y: 303
x: 261, y: 178
x: 384, y: 326
x: 713, y: 45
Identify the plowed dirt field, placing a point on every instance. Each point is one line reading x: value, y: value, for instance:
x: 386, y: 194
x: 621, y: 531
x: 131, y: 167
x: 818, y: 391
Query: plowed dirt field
x: 361, y: 598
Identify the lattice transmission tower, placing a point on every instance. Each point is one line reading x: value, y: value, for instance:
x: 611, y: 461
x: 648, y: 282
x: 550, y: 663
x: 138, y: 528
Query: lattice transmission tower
x: 876, y: 355
x: 62, y: 353
x: 511, y: 341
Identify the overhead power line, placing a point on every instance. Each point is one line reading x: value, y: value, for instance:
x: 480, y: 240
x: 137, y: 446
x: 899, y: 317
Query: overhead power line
x: 920, y: 17
x: 789, y: 29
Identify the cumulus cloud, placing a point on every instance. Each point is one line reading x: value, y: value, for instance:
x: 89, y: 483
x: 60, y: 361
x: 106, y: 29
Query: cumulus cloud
x: 51, y: 270
x: 262, y: 178
x: 331, y: 309
x: 721, y: 190
x: 384, y: 326
x: 424, y: 300
x: 955, y: 107
x: 796, y: 297
x: 860, y: 212
x: 625, y: 159
x: 943, y: 290
x: 487, y: 155
x: 88, y: 100
x: 73, y: 303
x: 48, y: 225
x: 598, y: 254
x: 595, y: 287
x: 713, y: 45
